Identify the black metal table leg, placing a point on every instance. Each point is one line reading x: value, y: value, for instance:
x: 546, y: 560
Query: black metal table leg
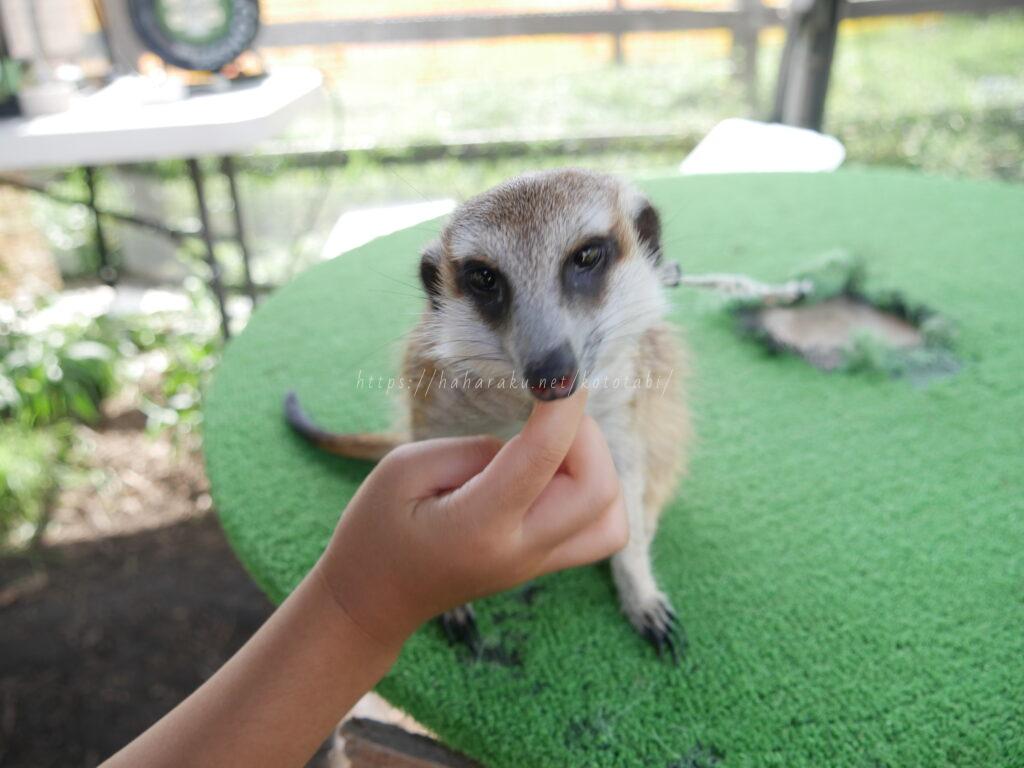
x: 227, y: 166
x: 216, y: 284
x: 106, y: 271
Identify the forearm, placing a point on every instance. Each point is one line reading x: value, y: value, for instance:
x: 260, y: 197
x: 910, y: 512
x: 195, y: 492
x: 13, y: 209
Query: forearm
x: 277, y: 699
x: 435, y: 524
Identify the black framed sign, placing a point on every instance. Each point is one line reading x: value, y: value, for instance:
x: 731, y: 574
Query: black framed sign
x: 196, y: 34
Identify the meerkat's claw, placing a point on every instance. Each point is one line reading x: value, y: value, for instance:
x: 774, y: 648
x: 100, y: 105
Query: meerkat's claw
x: 676, y: 643
x: 459, y: 625
x: 659, y: 626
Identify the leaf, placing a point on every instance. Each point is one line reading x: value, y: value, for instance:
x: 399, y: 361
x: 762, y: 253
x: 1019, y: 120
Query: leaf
x: 88, y: 350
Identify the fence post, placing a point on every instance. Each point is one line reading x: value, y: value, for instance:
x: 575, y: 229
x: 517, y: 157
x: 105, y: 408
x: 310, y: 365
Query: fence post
x: 745, y: 35
x: 806, y: 63
x: 617, y: 38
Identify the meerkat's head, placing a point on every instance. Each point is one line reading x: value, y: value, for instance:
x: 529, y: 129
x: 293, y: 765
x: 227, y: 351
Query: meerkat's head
x: 547, y: 277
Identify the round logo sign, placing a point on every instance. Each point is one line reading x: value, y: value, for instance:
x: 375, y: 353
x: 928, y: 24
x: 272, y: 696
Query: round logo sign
x: 196, y: 34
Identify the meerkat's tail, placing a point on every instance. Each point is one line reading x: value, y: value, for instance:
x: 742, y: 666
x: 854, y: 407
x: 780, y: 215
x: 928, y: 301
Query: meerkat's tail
x: 369, y: 446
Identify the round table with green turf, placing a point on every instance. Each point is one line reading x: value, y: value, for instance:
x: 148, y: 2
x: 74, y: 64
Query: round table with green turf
x: 846, y: 555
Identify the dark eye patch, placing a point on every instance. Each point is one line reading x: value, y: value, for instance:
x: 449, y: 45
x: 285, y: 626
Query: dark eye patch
x: 585, y: 269
x: 487, y: 288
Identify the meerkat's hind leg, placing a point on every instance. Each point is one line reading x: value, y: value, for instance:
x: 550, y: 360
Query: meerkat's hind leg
x: 459, y: 626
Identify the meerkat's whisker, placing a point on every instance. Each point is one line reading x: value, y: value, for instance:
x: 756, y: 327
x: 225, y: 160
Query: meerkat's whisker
x: 418, y: 297
x: 392, y: 278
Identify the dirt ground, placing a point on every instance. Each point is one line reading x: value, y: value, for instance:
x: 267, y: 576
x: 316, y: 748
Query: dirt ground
x: 113, y: 634
x: 134, y: 600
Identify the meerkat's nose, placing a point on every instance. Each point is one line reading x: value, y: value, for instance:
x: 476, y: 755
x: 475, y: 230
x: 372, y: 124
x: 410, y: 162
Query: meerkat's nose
x: 553, y: 375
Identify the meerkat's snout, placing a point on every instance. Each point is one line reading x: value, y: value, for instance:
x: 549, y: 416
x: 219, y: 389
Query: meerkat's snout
x: 554, y: 374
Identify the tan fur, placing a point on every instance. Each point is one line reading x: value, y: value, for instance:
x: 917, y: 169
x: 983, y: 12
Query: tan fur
x: 524, y: 228
x: 664, y: 420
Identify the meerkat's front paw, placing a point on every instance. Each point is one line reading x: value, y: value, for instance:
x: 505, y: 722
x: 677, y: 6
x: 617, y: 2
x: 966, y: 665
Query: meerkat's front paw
x: 646, y: 606
x: 656, y: 622
x: 459, y: 625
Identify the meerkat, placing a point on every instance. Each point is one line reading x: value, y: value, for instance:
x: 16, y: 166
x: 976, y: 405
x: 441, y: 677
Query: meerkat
x: 549, y: 280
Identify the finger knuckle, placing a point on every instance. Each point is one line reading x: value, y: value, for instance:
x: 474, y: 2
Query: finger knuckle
x: 396, y: 460
x: 493, y: 562
x: 607, y: 488
x: 488, y: 444
x: 544, y: 458
x: 619, y: 533
x: 485, y: 447
x: 484, y: 543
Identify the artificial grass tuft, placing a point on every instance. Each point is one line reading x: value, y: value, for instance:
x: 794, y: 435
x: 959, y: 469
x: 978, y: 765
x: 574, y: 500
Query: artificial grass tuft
x: 845, y: 555
x: 835, y: 275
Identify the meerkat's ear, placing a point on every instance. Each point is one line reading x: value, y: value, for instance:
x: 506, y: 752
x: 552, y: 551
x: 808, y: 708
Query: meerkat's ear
x: 430, y: 272
x: 648, y: 232
x: 648, y: 228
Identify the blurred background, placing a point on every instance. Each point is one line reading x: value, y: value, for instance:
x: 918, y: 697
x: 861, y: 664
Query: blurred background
x: 165, y: 164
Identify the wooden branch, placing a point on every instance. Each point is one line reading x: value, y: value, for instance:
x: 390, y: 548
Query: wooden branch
x: 487, y: 25
x: 744, y: 287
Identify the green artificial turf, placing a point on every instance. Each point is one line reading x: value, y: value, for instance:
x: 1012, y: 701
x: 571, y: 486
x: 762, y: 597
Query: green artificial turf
x: 847, y: 554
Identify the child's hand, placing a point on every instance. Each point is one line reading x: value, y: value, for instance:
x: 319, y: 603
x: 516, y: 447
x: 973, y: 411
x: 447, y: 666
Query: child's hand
x: 441, y: 522
x: 436, y: 524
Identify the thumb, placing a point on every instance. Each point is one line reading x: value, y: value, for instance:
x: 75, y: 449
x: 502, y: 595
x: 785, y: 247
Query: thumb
x: 525, y: 465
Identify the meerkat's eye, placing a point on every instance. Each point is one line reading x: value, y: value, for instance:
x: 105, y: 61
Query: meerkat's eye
x: 586, y: 267
x: 487, y: 288
x: 482, y: 280
x: 590, y: 255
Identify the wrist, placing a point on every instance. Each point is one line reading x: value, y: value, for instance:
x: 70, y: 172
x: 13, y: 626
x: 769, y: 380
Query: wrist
x: 387, y: 643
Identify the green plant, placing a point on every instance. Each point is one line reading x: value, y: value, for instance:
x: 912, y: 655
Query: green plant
x: 57, y: 370
x: 173, y: 400
x: 52, y: 372
x: 180, y: 350
x: 28, y: 458
x: 870, y: 356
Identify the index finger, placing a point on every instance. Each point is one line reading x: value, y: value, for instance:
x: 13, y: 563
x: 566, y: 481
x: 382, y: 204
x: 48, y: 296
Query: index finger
x: 525, y: 465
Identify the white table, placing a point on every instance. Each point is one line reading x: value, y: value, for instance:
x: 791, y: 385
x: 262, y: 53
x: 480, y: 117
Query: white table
x: 114, y: 126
